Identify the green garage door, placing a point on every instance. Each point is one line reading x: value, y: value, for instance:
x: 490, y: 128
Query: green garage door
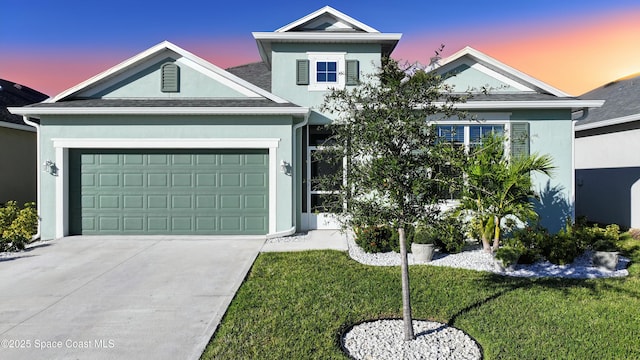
x: 201, y: 192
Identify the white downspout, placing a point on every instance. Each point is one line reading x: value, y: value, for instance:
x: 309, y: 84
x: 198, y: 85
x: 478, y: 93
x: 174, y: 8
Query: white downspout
x: 38, y: 176
x: 294, y: 178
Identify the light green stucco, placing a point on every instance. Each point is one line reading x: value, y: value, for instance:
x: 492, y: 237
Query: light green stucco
x: 465, y: 78
x: 146, y: 83
x: 167, y: 127
x: 283, y: 66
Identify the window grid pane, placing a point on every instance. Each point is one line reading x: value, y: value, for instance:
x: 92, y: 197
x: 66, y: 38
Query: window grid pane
x: 451, y: 133
x: 327, y: 71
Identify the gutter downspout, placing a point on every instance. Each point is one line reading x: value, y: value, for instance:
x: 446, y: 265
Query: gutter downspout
x: 38, y: 175
x: 294, y: 178
x: 585, y: 113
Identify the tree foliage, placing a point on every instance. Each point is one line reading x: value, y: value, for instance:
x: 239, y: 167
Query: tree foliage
x: 392, y: 158
x: 500, y: 188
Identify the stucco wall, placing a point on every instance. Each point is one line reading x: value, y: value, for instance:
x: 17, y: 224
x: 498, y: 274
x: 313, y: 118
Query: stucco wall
x: 17, y: 165
x: 167, y: 127
x: 283, y: 67
x: 551, y: 133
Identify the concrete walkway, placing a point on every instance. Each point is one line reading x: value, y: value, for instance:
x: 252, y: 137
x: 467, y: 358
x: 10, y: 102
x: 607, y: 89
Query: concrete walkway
x: 313, y: 240
x: 118, y: 298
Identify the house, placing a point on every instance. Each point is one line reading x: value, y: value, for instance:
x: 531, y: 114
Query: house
x: 607, y: 162
x: 168, y: 143
x: 17, y: 145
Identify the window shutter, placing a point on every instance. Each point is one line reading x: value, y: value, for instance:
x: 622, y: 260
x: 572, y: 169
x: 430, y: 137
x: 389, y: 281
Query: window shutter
x: 302, y: 72
x: 170, y: 78
x: 519, y: 139
x: 352, y: 72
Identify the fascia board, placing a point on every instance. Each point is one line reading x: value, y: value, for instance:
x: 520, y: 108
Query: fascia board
x: 155, y: 51
x: 318, y: 37
x: 327, y: 10
x: 38, y: 111
x: 132, y: 61
x: 551, y: 104
x: 14, y: 126
x: 609, y: 122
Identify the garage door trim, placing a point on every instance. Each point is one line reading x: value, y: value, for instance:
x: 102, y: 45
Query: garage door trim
x: 62, y: 145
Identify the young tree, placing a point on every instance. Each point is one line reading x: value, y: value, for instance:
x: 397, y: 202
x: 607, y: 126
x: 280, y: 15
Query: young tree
x: 391, y: 154
x: 498, y: 188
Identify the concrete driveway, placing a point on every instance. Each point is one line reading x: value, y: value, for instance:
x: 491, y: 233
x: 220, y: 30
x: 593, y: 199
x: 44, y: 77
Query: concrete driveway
x: 118, y: 298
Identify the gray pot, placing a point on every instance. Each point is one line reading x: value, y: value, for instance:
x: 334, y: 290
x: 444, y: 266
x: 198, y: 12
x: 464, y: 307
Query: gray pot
x: 422, y: 253
x: 605, y: 259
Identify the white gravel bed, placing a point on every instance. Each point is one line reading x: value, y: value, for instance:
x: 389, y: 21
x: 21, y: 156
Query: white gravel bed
x: 384, y: 339
x: 297, y: 237
x: 479, y: 260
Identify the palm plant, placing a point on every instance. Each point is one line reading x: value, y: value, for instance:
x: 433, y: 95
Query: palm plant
x: 500, y: 188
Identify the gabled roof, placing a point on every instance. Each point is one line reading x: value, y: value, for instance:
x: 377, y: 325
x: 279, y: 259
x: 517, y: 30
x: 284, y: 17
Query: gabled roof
x: 336, y: 20
x: 326, y: 25
x: 163, y: 49
x: 622, y: 103
x: 12, y: 94
x: 78, y: 100
x: 501, y: 68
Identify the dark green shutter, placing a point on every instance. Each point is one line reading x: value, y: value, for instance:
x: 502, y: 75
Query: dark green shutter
x: 352, y: 72
x: 302, y: 72
x: 170, y: 78
x: 519, y: 139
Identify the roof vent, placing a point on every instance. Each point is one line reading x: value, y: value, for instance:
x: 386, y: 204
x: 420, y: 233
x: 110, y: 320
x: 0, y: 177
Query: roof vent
x: 170, y: 78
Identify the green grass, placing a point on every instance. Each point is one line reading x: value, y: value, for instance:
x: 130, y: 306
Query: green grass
x: 294, y: 306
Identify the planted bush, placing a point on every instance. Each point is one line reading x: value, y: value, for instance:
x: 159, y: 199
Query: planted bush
x: 373, y: 239
x: 450, y: 234
x: 17, y: 226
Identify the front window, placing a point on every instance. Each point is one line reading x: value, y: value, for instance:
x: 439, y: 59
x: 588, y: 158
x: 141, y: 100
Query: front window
x: 468, y: 136
x: 327, y: 71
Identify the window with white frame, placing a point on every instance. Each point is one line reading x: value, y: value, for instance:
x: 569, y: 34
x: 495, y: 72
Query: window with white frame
x: 470, y: 136
x: 327, y: 70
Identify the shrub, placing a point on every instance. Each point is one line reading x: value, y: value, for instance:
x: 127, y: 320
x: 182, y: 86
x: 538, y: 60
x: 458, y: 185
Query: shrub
x: 17, y: 226
x: 509, y: 255
x: 373, y: 239
x: 450, y: 234
x: 527, y: 240
x: 425, y: 235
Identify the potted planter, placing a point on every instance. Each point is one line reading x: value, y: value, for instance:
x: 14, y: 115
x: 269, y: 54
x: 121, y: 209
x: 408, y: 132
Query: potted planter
x: 423, y: 246
x: 605, y: 255
x: 605, y: 259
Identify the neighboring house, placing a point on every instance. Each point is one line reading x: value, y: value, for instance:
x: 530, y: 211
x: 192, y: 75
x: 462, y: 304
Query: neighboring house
x: 607, y: 155
x: 167, y: 143
x: 17, y: 145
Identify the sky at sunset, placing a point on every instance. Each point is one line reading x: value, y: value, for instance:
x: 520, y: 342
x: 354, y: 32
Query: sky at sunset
x: 574, y: 45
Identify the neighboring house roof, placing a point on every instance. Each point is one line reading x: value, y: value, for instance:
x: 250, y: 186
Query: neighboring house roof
x: 622, y: 103
x: 256, y: 73
x: 326, y: 25
x: 12, y: 94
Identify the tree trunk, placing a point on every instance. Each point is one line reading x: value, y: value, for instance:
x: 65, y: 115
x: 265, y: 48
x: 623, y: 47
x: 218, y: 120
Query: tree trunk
x: 496, y: 235
x: 406, y: 301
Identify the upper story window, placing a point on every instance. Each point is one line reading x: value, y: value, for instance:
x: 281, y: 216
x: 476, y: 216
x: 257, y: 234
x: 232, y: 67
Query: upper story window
x: 326, y: 72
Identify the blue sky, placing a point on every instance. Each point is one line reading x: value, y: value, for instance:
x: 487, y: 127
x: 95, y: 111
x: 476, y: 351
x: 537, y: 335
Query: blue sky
x: 99, y: 34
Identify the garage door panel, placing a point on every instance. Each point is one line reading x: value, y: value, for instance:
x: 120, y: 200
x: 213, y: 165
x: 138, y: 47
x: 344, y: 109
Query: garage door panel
x: 168, y: 192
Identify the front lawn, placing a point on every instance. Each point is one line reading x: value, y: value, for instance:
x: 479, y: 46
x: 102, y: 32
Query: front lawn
x: 294, y: 305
